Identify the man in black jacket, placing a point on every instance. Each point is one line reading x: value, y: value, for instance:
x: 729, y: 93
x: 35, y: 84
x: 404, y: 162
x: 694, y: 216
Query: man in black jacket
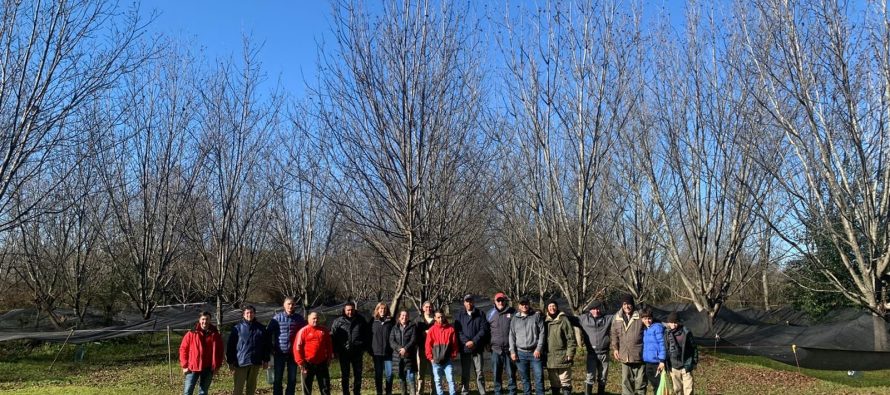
x: 472, y: 334
x: 499, y: 322
x: 350, y: 334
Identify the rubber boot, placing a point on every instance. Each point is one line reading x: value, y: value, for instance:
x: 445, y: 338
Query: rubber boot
x: 601, y: 389
x: 555, y: 390
x: 588, y: 389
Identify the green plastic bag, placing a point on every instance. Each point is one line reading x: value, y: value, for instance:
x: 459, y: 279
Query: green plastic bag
x: 662, y: 385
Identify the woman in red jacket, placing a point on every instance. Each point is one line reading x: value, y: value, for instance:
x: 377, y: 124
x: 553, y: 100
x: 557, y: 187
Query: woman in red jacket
x: 200, y: 355
x: 441, y: 348
x: 313, y: 351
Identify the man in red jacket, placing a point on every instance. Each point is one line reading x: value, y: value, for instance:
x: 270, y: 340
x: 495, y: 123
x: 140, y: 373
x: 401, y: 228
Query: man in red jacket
x: 441, y: 348
x: 200, y: 355
x: 313, y: 351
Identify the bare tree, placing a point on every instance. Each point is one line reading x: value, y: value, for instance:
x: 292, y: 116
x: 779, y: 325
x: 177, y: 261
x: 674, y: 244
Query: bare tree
x: 53, y: 61
x: 702, y: 164
x: 230, y: 223
x: 571, y: 92
x: 146, y: 156
x: 823, y: 77
x: 400, y: 111
x: 303, y: 222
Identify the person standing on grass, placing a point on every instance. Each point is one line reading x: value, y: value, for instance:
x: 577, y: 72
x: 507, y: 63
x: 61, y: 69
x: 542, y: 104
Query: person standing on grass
x: 350, y: 335
x: 627, y: 346
x: 403, y: 341
x: 682, y: 355
x: 282, y: 329
x: 559, y: 349
x: 499, y: 323
x: 247, y: 351
x: 313, y: 352
x: 441, y: 348
x: 423, y: 322
x: 472, y: 332
x: 653, y: 349
x: 527, y: 335
x: 200, y: 355
x: 381, y: 352
x: 596, y: 327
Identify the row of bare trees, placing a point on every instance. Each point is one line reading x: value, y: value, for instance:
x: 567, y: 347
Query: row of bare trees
x: 578, y: 149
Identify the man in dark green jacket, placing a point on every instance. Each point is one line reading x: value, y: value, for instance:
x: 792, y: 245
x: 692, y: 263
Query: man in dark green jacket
x: 559, y: 350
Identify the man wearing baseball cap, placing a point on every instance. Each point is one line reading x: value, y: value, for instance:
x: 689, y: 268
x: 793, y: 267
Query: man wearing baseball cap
x: 472, y: 335
x: 499, y: 322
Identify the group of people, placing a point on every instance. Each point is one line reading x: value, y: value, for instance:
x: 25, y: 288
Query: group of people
x: 520, y: 340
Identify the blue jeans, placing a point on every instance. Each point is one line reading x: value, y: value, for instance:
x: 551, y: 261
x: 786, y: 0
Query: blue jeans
x: 500, y: 364
x: 445, y: 369
x: 525, y: 361
x: 383, y: 370
x: 191, y: 378
x: 282, y: 361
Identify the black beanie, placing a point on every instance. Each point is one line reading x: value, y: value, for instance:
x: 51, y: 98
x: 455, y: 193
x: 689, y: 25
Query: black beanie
x: 627, y: 298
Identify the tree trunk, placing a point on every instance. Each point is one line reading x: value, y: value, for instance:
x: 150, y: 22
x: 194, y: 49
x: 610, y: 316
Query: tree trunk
x: 880, y: 331
x: 765, y: 281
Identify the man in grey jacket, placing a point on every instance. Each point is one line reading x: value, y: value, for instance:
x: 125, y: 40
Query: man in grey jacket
x: 527, y: 344
x: 596, y: 327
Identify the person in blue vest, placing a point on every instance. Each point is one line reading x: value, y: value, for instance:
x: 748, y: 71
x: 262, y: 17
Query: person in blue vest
x: 247, y: 351
x: 472, y: 334
x: 499, y: 323
x: 282, y: 329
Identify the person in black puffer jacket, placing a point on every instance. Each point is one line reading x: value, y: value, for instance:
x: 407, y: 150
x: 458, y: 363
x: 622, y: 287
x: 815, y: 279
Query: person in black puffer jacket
x: 403, y: 341
x: 499, y: 322
x: 381, y: 327
x: 350, y: 334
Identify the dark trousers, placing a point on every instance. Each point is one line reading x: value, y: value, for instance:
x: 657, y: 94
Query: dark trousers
x: 351, y: 363
x: 470, y: 362
x: 383, y: 372
x: 284, y: 362
x: 649, y: 373
x: 500, y: 364
x: 316, y: 372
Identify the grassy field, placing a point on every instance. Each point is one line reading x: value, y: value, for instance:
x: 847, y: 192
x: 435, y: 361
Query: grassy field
x: 138, y: 365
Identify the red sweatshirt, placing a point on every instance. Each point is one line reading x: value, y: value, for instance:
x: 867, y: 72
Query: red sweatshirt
x: 200, y: 350
x: 313, y: 345
x: 441, y: 343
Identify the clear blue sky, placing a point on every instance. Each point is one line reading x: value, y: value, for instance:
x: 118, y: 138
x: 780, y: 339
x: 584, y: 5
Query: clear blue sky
x: 287, y: 30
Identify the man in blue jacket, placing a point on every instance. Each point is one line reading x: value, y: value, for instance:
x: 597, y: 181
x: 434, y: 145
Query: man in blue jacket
x: 472, y: 334
x: 282, y: 329
x: 247, y: 351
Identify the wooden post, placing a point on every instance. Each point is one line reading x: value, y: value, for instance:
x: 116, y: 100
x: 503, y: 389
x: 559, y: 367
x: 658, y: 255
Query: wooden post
x: 61, y: 348
x: 169, y: 356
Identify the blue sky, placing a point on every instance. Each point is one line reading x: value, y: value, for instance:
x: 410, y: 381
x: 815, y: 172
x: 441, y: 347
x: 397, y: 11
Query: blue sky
x: 287, y: 30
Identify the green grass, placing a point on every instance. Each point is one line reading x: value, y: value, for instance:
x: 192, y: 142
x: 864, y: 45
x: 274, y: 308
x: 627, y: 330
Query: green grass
x: 138, y: 365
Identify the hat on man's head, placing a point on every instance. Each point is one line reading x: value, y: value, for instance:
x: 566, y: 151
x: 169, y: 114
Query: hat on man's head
x: 500, y: 295
x: 597, y: 304
x: 524, y: 300
x: 627, y: 298
x: 552, y: 302
x: 673, y: 318
x: 468, y: 298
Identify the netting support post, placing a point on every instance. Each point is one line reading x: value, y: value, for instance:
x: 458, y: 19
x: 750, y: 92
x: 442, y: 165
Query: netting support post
x: 169, y: 356
x: 60, y: 349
